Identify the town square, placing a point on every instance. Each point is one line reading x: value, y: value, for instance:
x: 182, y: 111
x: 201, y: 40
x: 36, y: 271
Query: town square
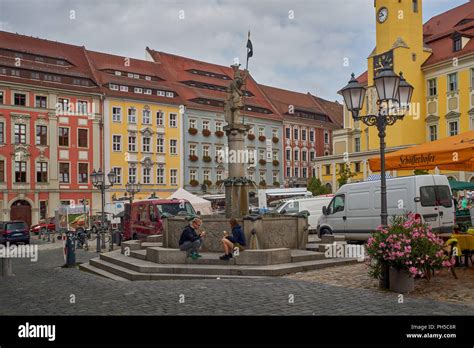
x: 237, y: 159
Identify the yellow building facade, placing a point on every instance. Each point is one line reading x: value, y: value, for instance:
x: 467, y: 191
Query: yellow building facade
x: 143, y: 144
x: 437, y: 61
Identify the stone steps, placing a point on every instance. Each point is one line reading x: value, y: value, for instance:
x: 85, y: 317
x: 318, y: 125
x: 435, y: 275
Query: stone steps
x: 87, y: 267
x: 146, y: 267
x: 305, y: 255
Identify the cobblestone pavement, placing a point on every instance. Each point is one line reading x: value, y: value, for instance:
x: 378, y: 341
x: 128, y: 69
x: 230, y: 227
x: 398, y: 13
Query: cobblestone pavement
x: 45, y: 288
x: 442, y: 287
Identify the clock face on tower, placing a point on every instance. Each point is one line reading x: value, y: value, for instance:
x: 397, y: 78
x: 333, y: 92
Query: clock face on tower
x: 382, y: 15
x: 384, y: 60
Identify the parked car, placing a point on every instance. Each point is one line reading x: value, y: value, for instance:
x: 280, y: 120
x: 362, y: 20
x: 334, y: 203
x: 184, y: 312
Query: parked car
x: 48, y: 225
x: 145, y: 217
x: 14, y: 232
x: 313, y: 205
x: 355, y: 209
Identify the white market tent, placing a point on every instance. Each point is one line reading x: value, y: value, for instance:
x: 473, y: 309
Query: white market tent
x: 198, y: 203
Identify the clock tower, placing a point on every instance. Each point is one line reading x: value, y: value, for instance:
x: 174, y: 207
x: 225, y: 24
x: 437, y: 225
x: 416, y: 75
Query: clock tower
x: 399, y: 46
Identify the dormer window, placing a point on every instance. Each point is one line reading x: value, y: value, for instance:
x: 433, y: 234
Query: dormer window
x: 457, y: 42
x: 118, y: 73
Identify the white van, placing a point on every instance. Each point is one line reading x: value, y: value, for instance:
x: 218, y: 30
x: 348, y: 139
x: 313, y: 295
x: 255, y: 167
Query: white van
x: 355, y: 209
x: 313, y: 205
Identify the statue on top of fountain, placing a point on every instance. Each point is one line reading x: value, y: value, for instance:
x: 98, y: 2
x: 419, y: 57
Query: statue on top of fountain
x: 234, y: 102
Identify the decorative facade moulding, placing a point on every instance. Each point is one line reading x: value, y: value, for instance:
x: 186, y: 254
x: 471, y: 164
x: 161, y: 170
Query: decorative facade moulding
x: 148, y: 132
x: 20, y: 118
x: 400, y: 43
x: 42, y: 120
x: 132, y: 132
x: 147, y: 162
x: 431, y: 118
x: 452, y: 115
x: 21, y: 152
x: 132, y: 164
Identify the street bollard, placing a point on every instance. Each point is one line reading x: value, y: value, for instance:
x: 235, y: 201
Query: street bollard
x: 98, y: 242
x: 6, y: 267
x: 70, y: 251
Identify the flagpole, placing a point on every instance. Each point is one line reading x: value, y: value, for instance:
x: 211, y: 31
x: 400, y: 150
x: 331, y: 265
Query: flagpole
x: 246, y: 77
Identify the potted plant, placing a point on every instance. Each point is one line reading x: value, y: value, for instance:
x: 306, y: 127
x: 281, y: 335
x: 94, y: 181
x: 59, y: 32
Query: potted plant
x: 207, y: 159
x: 206, y: 132
x: 251, y: 136
x: 193, y: 158
x: 276, y: 184
x: 276, y: 163
x: 275, y: 140
x: 262, y: 162
x: 192, y: 131
x: 219, y: 134
x: 208, y: 183
x: 262, y: 138
x: 409, y: 249
x: 194, y: 183
x: 263, y: 183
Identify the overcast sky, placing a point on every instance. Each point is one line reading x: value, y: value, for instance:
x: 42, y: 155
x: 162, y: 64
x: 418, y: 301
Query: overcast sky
x: 298, y: 44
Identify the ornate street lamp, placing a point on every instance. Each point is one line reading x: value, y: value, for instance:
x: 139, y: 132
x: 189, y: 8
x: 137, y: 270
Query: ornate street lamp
x: 394, y: 96
x: 98, y: 181
x: 132, y: 188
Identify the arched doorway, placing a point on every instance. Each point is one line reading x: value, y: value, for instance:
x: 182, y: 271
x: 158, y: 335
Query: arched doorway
x: 21, y: 210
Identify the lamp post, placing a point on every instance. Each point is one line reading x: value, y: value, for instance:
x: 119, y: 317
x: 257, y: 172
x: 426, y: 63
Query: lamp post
x: 394, y: 96
x: 98, y: 181
x: 132, y: 188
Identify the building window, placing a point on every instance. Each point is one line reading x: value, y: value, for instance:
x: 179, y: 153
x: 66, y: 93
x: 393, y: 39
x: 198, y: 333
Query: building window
x: 146, y: 117
x: 173, y: 120
x: 192, y: 175
x: 41, y: 102
x: 326, y: 137
x: 457, y: 43
x: 82, y: 137
x: 303, y: 134
x: 20, y: 171
x: 113, y: 87
x: 146, y: 175
x: 218, y: 126
x: 173, y: 176
x: 43, y: 210
x: 138, y: 90
x: 64, y: 172
x: 295, y: 133
x: 275, y: 133
x: 275, y: 155
x: 205, y: 124
x: 118, y: 175
x: 117, y: 143
x: 357, y: 167
x: 160, y: 118
x: 132, y: 143
x: 132, y: 115
x: 160, y: 145
x: 63, y: 136
x: 116, y: 114
x: 160, y: 176
x: 312, y: 155
x: 297, y: 172
x: 472, y: 82
x: 192, y: 123
x: 62, y: 104
x: 415, y: 6
x: 2, y: 133
x: 41, y: 135
x: 275, y: 176
x: 82, y: 107
x: 1, y: 97
x: 305, y: 172
x: 288, y: 154
x: 304, y: 155
x: 327, y: 169
x: 20, y: 134
x: 132, y: 175
x: 2, y: 171
x: 206, y: 175
x: 123, y: 88
x: 311, y: 135
x: 288, y: 133
x: 146, y: 145
x: 205, y: 150
x: 432, y: 87
x: 42, y: 172
x: 356, y: 144
x: 262, y: 176
x: 296, y: 156
x: 19, y: 99
x: 219, y: 175
x: 288, y: 172
x: 452, y: 82
x: 261, y: 154
x: 173, y: 146
x: 169, y: 94
x: 453, y: 128
x: 261, y: 131
x: 433, y: 132
x: 83, y: 175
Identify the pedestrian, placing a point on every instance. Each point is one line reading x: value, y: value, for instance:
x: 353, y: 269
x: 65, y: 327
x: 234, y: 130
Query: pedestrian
x: 191, y: 239
x: 237, y: 239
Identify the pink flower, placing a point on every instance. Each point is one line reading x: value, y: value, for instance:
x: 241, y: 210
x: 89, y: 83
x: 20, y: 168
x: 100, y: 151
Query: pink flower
x: 413, y: 270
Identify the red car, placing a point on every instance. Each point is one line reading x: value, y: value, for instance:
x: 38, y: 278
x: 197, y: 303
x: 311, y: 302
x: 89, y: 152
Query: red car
x: 48, y: 225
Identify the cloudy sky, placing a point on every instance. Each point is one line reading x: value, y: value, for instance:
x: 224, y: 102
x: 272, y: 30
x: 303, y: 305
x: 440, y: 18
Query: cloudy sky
x: 298, y: 44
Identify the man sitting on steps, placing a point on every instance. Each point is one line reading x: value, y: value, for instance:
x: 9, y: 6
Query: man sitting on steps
x: 190, y: 240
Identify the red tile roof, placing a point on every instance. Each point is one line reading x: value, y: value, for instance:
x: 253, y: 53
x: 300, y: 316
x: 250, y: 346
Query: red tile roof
x: 179, y: 69
x: 75, y: 55
x: 282, y: 100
